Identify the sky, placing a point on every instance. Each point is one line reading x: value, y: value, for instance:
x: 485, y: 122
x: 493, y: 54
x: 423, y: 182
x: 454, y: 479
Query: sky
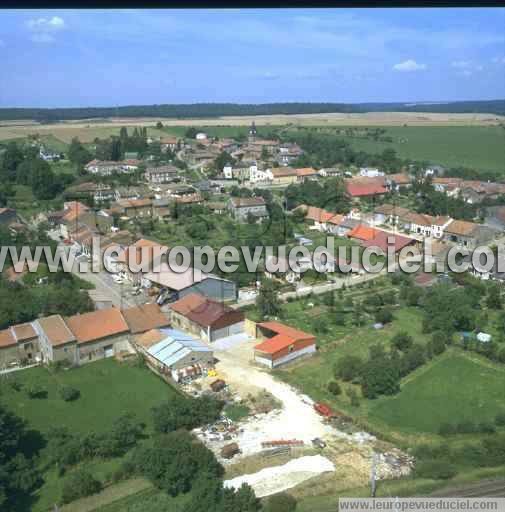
x: 64, y: 58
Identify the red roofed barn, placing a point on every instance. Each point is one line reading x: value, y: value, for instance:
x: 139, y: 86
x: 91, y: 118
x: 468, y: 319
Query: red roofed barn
x: 281, y: 344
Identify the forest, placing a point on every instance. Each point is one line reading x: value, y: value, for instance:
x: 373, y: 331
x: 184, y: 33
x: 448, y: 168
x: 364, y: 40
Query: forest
x: 47, y: 115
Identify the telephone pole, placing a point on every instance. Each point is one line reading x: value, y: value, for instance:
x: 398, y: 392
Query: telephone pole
x: 373, y: 475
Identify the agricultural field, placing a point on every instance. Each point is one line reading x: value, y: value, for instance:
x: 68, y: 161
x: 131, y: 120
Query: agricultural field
x: 477, y: 147
x: 454, y: 387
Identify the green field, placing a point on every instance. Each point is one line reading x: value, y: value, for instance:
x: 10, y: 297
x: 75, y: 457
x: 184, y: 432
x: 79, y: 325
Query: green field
x: 478, y: 147
x: 453, y: 388
x: 107, y: 388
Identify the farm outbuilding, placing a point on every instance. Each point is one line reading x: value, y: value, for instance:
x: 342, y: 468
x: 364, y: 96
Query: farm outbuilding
x: 282, y: 344
x: 171, y: 350
x: 208, y: 319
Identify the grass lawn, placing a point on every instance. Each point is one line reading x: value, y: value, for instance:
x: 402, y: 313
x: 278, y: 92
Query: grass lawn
x: 453, y: 388
x: 107, y: 388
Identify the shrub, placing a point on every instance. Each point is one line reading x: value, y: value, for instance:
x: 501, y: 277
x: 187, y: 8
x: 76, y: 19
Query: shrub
x: 36, y: 391
x: 402, y: 341
x: 384, y: 316
x: 281, y: 502
x: 486, y: 427
x: 447, y: 429
x: 500, y: 419
x: 334, y: 388
x: 353, y: 397
x: 69, y: 394
x: 435, y: 469
x: 78, y: 485
x: 466, y: 427
x: 349, y: 368
x: 16, y: 385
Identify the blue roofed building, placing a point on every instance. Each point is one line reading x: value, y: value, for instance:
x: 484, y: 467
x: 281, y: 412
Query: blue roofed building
x: 174, y: 353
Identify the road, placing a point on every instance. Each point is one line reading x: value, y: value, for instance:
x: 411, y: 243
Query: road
x: 483, y: 489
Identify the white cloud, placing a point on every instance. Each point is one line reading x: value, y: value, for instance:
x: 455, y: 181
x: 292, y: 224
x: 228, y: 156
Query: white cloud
x: 43, y: 28
x: 409, y: 65
x: 54, y: 23
x: 466, y: 67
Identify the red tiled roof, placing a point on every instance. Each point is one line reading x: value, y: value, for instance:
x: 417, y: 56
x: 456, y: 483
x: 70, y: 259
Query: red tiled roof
x: 363, y: 187
x: 7, y: 339
x: 144, y: 318
x: 362, y: 232
x: 279, y: 328
x: 24, y: 331
x: 97, y: 324
x: 56, y: 330
x: 306, y: 171
x: 381, y: 241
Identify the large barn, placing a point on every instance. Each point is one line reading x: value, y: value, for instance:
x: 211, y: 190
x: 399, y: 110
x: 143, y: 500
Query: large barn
x: 208, y: 319
x: 281, y: 344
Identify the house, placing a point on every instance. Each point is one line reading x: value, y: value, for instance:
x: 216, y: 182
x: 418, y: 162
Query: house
x: 69, y: 218
x: 330, y: 172
x: 368, y: 172
x: 143, y: 251
x: 242, y: 173
x: 102, y: 167
x: 19, y: 343
x: 189, y: 199
x: 133, y: 208
x: 468, y: 234
x: 241, y: 208
x: 161, y: 208
x: 358, y: 188
x: 258, y: 175
x: 8, y: 216
x: 388, y: 214
x: 474, y: 192
x: 217, y: 207
x: 98, y: 334
x: 425, y: 225
x: 398, y: 182
x: 173, y: 353
x: 133, y: 192
x: 362, y: 233
x: 284, y: 176
x: 100, y: 300
x: 57, y: 341
x: 347, y: 225
x: 98, y: 191
x: 383, y: 240
x: 208, y: 319
x: 144, y: 318
x: 162, y: 174
x: 281, y: 344
x: 306, y: 173
x: 179, y: 284
x: 168, y: 144
x: 322, y: 220
x: 288, y: 153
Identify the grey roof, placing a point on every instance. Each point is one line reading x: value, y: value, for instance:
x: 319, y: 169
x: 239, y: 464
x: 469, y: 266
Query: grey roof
x: 175, y: 347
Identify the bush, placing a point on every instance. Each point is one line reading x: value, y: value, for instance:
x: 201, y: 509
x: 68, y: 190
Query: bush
x: 334, y: 388
x: 69, y: 394
x: 435, y: 469
x: 281, y: 502
x: 500, y: 419
x: 486, y: 427
x: 384, y: 316
x: 466, y: 427
x: 36, y: 391
x: 402, y: 341
x: 349, y: 368
x: 446, y: 429
x: 78, y: 485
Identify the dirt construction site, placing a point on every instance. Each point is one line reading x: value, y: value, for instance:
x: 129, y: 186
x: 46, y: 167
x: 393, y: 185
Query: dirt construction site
x: 284, y: 443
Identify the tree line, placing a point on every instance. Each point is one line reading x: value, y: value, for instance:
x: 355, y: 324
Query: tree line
x: 233, y: 109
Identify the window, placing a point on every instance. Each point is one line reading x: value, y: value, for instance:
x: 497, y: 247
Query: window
x: 291, y: 348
